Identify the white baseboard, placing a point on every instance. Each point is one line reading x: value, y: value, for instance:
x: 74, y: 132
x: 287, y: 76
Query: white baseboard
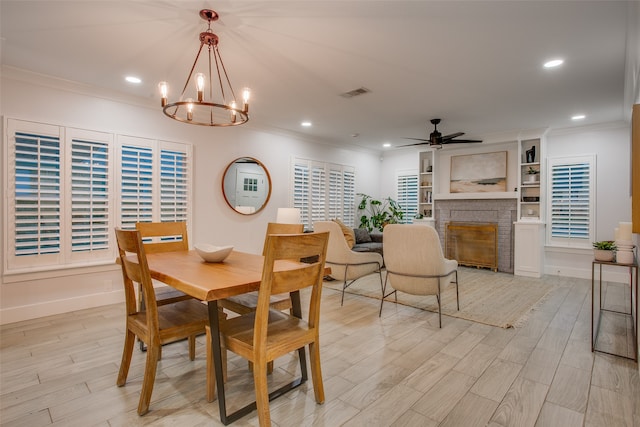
x: 48, y: 308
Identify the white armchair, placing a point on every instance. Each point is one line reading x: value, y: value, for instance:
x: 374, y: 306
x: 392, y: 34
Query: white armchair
x: 415, y: 263
x: 345, y: 264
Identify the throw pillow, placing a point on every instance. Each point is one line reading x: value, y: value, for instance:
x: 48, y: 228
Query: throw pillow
x: 348, y: 233
x: 362, y: 235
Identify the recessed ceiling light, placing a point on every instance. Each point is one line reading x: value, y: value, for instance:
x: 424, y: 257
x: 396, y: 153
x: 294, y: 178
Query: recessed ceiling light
x: 578, y: 117
x: 553, y: 63
x: 133, y: 79
x: 386, y: 145
x: 305, y: 124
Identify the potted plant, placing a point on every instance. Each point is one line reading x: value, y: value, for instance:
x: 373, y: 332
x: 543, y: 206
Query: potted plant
x: 604, y: 250
x: 531, y: 174
x: 378, y: 213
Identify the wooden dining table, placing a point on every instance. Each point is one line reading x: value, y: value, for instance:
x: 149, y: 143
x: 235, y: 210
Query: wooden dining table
x: 239, y: 273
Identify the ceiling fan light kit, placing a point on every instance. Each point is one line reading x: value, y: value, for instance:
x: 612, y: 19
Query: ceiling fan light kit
x: 437, y: 140
x: 206, y: 111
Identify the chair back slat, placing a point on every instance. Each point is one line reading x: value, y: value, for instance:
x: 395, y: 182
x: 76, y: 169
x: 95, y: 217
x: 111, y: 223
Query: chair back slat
x: 164, y: 236
x: 294, y: 280
x: 280, y: 228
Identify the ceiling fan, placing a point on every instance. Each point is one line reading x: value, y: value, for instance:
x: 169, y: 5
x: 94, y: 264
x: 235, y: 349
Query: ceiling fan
x: 437, y: 140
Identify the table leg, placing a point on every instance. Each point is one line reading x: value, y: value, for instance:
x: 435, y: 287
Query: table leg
x: 214, y: 324
x: 593, y: 301
x: 595, y: 325
x: 296, y: 310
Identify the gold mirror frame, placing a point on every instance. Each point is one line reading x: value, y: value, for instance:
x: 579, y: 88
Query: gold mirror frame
x: 243, y: 177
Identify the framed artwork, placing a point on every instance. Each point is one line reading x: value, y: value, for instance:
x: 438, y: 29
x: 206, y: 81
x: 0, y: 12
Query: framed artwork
x: 479, y: 173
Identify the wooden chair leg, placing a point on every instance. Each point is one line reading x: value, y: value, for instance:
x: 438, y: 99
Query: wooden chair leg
x: 192, y: 347
x: 211, y: 372
x: 127, y: 353
x: 262, y: 393
x: 316, y: 372
x: 149, y: 378
x: 269, y: 367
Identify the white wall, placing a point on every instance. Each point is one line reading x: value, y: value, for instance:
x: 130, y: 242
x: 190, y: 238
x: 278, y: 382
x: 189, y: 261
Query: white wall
x: 611, y: 144
x: 42, y: 99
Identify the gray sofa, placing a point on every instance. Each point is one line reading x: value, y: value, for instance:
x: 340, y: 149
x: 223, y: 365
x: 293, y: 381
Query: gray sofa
x: 367, y: 242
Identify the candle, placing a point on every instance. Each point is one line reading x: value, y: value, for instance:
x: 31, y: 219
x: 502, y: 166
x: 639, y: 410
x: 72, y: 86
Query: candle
x: 624, y: 232
x: 616, y: 234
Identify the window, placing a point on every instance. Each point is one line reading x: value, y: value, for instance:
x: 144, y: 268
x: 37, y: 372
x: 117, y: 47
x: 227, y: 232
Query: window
x: 323, y: 191
x: 154, y: 184
x: 64, y: 187
x: 407, y: 194
x: 571, y: 204
x: 90, y: 159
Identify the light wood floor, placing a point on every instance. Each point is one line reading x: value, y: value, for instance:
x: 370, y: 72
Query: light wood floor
x: 398, y: 370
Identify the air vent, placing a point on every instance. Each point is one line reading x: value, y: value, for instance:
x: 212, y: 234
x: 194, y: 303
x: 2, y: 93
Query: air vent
x: 355, y: 92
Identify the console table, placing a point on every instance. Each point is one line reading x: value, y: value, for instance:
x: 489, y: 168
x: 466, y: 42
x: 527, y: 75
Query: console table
x: 633, y: 304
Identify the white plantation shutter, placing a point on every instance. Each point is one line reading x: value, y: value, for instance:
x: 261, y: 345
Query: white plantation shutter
x: 301, y: 192
x: 68, y: 188
x: 335, y: 193
x: 323, y: 191
x: 136, y: 180
x: 35, y: 183
x: 91, y: 190
x: 174, y: 179
x: 155, y: 181
x: 349, y: 196
x: 318, y: 193
x: 407, y: 194
x: 571, y: 204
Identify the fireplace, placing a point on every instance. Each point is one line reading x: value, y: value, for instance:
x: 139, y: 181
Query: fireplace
x: 501, y: 212
x: 473, y: 244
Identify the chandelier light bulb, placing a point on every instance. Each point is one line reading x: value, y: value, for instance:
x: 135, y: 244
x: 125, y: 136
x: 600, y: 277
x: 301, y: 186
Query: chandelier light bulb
x: 164, y: 89
x: 233, y: 111
x: 189, y: 109
x: 246, y: 94
x: 200, y: 86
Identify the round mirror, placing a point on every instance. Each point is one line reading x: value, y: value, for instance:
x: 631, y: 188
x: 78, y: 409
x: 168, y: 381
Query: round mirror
x: 246, y: 185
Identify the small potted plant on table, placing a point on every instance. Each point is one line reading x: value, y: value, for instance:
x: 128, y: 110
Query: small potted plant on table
x: 604, y: 250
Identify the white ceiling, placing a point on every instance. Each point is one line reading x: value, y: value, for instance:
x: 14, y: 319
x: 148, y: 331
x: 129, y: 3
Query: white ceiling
x: 475, y: 64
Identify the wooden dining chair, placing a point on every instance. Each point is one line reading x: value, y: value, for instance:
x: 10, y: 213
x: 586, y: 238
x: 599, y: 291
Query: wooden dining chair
x: 248, y: 302
x: 265, y: 334
x: 163, y: 237
x: 157, y: 324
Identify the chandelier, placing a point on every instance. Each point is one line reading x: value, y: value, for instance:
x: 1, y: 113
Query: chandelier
x: 203, y: 110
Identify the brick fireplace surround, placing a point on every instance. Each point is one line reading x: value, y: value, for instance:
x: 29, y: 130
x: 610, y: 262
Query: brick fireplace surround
x: 502, y: 212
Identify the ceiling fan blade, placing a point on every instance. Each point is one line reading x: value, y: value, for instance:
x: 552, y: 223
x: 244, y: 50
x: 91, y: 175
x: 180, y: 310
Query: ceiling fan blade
x: 461, y: 141
x: 419, y: 139
x: 426, y: 142
x: 453, y: 135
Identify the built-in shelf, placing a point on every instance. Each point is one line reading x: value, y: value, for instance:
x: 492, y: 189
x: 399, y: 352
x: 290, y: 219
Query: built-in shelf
x: 530, y: 153
x: 426, y: 184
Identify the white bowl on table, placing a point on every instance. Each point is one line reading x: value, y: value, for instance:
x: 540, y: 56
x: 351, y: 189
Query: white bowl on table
x: 211, y: 253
